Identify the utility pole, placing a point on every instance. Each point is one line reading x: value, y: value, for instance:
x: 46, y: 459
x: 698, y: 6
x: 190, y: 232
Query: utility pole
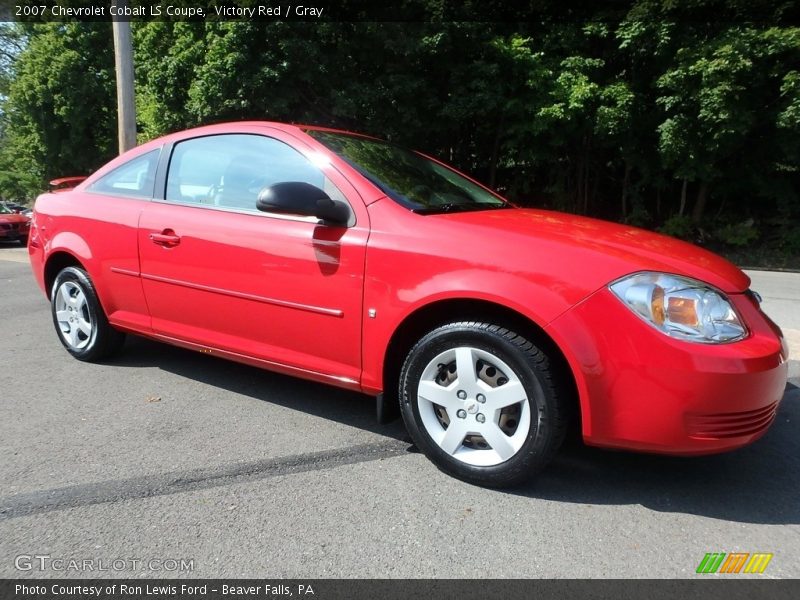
x: 123, y: 62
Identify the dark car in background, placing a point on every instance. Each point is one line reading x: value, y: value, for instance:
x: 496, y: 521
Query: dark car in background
x: 14, y: 207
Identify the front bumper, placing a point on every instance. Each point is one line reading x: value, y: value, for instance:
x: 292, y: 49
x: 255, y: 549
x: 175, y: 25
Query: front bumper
x: 642, y: 390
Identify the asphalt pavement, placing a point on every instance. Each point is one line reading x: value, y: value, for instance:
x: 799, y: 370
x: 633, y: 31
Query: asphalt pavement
x: 165, y: 459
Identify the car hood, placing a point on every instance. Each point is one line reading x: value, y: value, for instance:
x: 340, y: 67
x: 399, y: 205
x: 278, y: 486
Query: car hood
x: 597, y: 251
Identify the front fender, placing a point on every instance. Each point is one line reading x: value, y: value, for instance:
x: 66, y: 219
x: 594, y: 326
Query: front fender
x: 394, y: 303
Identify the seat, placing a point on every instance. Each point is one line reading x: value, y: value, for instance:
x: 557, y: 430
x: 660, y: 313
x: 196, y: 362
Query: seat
x: 240, y: 184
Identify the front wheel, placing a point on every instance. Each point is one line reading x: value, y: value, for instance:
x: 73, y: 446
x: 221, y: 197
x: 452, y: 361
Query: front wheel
x: 80, y: 322
x: 482, y: 403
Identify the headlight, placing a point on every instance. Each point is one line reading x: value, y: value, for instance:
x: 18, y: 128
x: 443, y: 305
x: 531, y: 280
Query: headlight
x: 680, y: 307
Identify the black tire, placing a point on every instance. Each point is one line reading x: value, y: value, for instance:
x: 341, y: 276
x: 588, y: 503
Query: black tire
x: 548, y: 402
x: 103, y: 340
x: 23, y: 241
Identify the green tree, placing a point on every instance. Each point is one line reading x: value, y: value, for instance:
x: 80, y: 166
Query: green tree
x: 59, y: 113
x: 656, y: 115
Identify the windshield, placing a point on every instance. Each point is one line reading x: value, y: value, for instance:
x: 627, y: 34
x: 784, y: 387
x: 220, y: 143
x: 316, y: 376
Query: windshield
x: 5, y: 211
x: 410, y: 179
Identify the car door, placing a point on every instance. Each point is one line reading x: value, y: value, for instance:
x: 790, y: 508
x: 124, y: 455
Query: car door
x: 218, y: 273
x: 109, y: 208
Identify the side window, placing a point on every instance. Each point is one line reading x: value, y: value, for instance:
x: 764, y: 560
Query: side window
x: 135, y: 178
x: 230, y: 170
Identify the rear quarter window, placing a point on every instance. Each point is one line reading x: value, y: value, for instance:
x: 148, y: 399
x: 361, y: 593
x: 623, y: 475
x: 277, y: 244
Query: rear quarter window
x: 135, y: 178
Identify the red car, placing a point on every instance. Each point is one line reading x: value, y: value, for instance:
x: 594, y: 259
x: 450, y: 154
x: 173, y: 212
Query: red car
x: 348, y: 260
x: 13, y: 226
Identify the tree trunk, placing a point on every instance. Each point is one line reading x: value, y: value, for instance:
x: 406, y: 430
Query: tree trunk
x: 700, y: 203
x: 577, y: 191
x: 586, y: 175
x: 658, y: 203
x: 625, y: 183
x: 495, y: 155
x: 683, y: 197
x: 586, y: 188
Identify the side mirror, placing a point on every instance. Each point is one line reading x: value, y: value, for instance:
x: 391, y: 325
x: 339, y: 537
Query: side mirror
x: 300, y: 198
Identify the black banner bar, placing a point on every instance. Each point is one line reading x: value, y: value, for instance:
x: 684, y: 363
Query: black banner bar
x: 713, y: 588
x: 400, y: 10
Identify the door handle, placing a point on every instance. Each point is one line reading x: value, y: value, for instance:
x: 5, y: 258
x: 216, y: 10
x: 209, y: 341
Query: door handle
x: 166, y: 238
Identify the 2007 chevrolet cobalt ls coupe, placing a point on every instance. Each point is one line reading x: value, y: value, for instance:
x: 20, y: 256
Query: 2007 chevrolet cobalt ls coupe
x: 345, y: 259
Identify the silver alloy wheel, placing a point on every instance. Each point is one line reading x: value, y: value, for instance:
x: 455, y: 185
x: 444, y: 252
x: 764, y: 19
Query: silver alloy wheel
x: 73, y: 316
x: 474, y: 406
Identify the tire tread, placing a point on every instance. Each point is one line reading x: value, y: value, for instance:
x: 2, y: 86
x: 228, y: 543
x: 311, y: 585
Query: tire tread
x: 108, y: 340
x: 559, y: 415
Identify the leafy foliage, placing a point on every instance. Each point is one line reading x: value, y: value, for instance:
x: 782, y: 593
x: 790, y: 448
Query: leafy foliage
x: 662, y: 118
x: 59, y: 115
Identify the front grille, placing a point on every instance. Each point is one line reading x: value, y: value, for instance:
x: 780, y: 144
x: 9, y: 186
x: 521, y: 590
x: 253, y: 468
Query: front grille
x: 728, y: 425
x: 5, y: 226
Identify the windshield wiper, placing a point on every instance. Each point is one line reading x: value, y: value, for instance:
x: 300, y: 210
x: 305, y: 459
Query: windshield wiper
x: 457, y: 207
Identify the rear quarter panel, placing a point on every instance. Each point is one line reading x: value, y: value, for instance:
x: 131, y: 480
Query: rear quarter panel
x: 101, y: 233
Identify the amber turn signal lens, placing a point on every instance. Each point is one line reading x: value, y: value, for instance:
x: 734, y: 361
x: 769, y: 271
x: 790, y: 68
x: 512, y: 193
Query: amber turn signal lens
x: 682, y: 311
x: 657, y: 305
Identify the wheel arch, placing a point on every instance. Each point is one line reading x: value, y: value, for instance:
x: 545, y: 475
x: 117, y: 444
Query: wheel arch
x: 436, y: 313
x: 56, y: 262
x: 66, y: 249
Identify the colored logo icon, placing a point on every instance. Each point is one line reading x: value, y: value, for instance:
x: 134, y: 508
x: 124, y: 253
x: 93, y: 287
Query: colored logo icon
x: 735, y: 562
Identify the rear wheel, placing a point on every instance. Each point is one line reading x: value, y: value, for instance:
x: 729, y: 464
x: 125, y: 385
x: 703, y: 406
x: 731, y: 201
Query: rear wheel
x: 482, y: 403
x: 80, y: 322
